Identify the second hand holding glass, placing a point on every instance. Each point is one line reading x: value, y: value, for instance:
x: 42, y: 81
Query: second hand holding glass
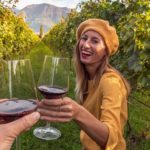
x: 17, y: 87
x: 53, y: 83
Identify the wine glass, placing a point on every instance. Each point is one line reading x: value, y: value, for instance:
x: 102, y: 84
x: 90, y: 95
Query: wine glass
x: 18, y: 88
x: 53, y: 83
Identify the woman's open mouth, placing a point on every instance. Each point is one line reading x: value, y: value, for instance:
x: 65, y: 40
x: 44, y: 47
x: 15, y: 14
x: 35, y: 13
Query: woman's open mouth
x: 86, y: 53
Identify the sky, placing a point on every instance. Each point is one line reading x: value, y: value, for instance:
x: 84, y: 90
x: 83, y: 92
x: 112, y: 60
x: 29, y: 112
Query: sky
x: 60, y: 3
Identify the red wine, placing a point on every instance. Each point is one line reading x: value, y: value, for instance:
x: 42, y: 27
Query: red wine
x: 50, y: 92
x: 13, y: 109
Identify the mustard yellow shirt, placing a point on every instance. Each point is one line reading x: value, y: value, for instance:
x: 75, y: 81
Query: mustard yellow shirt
x: 108, y: 103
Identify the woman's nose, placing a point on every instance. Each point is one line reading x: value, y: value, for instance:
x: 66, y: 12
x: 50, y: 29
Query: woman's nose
x: 87, y: 44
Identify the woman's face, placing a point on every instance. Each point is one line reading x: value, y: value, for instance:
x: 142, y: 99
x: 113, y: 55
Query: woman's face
x: 91, y: 48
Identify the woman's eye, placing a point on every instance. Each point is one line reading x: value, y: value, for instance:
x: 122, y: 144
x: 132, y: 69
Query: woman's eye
x: 95, y: 41
x: 84, y: 38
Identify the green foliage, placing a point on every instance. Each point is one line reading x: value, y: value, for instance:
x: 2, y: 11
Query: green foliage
x: 139, y: 136
x: 36, y: 55
x: 68, y: 141
x: 16, y: 38
x: 55, y: 41
x: 8, y: 3
x: 134, y: 32
x: 133, y: 28
x: 132, y: 21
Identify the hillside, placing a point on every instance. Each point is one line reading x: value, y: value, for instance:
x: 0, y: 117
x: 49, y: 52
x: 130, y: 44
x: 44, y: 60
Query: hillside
x: 43, y: 14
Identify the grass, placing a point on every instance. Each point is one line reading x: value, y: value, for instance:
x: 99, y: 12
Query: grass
x: 139, y: 136
x: 68, y: 141
x: 137, y: 139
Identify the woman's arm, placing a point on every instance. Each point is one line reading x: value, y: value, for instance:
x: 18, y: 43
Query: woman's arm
x: 67, y: 109
x: 93, y: 127
x: 107, y: 131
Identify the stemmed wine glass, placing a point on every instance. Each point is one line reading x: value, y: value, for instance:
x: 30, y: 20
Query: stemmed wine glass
x: 53, y: 83
x: 18, y: 88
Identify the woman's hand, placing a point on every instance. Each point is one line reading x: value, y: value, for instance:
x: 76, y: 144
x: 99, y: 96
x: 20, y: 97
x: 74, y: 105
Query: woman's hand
x: 58, y: 110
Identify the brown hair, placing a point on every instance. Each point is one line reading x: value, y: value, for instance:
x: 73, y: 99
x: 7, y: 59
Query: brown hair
x: 82, y: 76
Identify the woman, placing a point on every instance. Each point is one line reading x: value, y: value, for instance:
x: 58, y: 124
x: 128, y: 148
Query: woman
x: 101, y: 89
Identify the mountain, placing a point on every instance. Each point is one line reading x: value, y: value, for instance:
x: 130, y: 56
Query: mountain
x: 15, y: 10
x: 43, y: 14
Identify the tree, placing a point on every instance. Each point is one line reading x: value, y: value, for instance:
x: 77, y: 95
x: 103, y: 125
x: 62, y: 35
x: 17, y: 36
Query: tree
x: 22, y: 15
x: 16, y: 38
x: 8, y: 3
x: 133, y: 28
x: 41, y: 32
x: 134, y: 31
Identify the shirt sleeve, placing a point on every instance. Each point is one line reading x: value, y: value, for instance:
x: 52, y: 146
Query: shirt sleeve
x: 113, y: 97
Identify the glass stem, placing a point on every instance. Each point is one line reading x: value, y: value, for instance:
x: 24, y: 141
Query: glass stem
x: 48, y: 125
x: 18, y: 143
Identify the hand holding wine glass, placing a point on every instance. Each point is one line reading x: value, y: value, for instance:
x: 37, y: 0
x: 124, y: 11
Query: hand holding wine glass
x: 58, y: 110
x: 17, y: 87
x: 9, y: 131
x: 53, y: 84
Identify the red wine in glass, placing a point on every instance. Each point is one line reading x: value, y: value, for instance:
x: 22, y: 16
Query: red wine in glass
x: 52, y: 92
x: 18, y: 86
x: 11, y: 110
x: 53, y: 84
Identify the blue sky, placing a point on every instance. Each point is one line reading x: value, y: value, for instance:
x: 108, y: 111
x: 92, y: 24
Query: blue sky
x: 60, y: 3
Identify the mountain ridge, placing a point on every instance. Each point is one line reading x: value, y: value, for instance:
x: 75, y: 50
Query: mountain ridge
x: 43, y: 14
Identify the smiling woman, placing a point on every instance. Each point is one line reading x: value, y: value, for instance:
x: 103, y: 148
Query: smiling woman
x: 92, y: 49
x: 101, y: 90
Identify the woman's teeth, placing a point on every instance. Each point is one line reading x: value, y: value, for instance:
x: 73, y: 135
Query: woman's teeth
x: 86, y: 53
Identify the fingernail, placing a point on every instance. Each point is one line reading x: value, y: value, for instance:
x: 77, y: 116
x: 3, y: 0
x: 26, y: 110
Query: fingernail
x: 36, y: 116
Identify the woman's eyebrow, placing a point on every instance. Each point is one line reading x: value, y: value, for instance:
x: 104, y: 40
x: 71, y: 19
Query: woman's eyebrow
x: 96, y: 38
x: 84, y: 35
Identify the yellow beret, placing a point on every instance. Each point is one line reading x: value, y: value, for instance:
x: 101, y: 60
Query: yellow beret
x: 104, y: 29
